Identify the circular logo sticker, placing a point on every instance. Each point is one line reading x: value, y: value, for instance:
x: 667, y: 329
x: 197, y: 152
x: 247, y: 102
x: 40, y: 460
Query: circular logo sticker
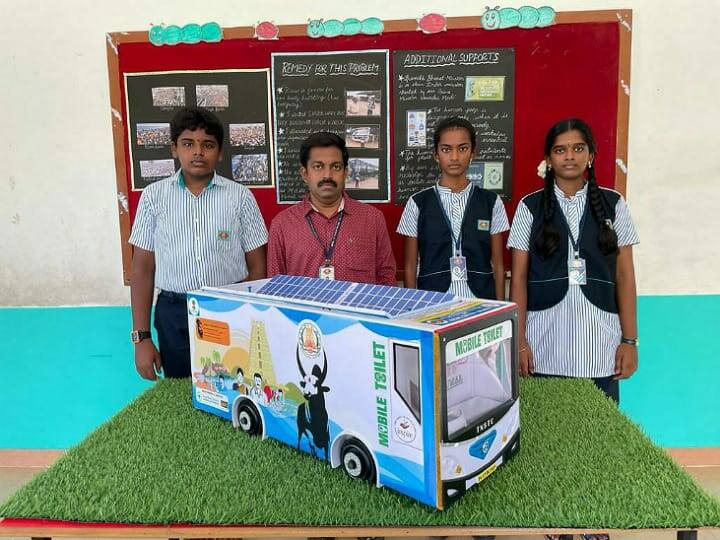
x: 193, y: 306
x: 309, y: 338
x: 405, y: 429
x: 494, y: 177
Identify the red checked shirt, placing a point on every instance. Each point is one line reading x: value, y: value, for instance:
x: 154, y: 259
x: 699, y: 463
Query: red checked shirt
x: 362, y: 249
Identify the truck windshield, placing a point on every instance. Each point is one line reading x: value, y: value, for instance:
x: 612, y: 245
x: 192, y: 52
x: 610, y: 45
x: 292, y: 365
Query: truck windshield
x: 478, y: 375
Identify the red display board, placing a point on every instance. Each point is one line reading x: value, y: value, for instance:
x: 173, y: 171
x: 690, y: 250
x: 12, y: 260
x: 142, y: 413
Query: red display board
x: 580, y: 66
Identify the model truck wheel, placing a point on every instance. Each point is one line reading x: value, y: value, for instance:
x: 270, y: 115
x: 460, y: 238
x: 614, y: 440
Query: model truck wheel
x: 357, y: 462
x: 249, y: 419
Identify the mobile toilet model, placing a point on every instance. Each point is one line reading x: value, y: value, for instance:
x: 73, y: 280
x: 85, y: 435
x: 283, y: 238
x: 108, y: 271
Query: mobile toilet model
x: 413, y: 390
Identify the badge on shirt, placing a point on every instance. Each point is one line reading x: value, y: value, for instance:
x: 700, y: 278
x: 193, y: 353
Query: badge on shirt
x: 223, y: 235
x: 577, y: 274
x: 458, y: 268
x: 483, y: 225
x: 327, y: 271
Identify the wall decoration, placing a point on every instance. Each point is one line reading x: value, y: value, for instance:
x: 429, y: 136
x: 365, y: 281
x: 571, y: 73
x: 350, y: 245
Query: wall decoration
x: 432, y: 23
x: 332, y: 28
x: 266, y: 30
x: 526, y: 17
x: 190, y: 33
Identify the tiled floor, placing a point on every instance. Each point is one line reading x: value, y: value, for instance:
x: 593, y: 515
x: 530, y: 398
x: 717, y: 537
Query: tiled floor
x: 12, y: 477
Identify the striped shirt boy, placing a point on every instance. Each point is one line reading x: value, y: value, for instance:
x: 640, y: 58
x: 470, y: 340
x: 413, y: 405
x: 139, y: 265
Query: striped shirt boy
x: 198, y: 240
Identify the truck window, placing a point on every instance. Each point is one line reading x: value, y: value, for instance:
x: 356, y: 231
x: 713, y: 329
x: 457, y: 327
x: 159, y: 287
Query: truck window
x: 477, y: 383
x: 407, y: 376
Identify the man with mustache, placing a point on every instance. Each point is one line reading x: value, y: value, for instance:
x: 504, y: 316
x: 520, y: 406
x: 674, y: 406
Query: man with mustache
x: 328, y: 234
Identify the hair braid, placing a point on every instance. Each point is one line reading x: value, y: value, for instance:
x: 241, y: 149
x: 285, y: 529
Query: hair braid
x: 607, y: 237
x: 549, y: 239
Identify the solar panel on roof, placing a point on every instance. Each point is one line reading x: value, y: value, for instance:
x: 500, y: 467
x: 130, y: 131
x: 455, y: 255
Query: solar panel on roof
x: 379, y: 299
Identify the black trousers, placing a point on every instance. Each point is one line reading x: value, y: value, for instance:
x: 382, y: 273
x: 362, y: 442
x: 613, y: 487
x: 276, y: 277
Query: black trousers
x: 171, y: 323
x: 609, y: 385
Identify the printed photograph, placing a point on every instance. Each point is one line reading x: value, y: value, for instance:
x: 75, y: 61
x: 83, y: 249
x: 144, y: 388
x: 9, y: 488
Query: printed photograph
x: 362, y: 102
x: 416, y: 129
x: 493, y: 175
x: 212, y: 95
x: 250, y: 169
x: 153, y: 134
x: 157, y: 168
x: 362, y: 136
x: 486, y: 174
x: 168, y: 96
x: 484, y: 88
x: 247, y: 134
x: 363, y: 173
x: 476, y: 173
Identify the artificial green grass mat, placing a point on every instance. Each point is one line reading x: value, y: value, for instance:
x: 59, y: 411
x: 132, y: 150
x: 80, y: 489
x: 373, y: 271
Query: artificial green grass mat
x: 581, y: 464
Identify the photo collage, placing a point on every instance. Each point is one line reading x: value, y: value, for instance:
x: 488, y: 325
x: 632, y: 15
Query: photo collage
x: 247, y: 148
x: 363, y: 138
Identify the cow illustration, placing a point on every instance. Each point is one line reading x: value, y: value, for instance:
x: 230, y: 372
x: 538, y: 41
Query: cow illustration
x: 312, y: 416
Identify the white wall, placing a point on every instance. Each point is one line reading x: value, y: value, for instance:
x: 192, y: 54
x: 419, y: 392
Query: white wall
x: 59, y: 239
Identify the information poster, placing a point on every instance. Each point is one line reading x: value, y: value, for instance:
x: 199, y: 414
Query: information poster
x: 476, y: 84
x: 239, y: 98
x: 340, y: 92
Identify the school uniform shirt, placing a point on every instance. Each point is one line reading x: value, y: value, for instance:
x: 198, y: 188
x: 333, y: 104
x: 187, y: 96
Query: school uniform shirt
x: 362, y: 250
x: 573, y: 338
x: 454, y: 205
x: 198, y: 240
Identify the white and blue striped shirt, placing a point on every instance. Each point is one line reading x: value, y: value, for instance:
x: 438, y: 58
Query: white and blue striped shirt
x: 573, y: 338
x: 454, y: 205
x: 198, y: 240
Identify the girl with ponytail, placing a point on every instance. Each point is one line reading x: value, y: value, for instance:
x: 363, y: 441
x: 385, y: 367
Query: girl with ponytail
x: 572, y: 269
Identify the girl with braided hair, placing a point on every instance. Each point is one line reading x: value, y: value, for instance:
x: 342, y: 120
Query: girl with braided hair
x: 572, y: 269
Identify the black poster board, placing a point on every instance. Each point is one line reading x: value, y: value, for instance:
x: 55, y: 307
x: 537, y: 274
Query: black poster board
x: 341, y: 92
x: 476, y: 84
x: 239, y: 98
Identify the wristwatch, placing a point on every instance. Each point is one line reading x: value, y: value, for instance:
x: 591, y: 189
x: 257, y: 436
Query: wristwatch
x: 136, y: 336
x: 634, y: 342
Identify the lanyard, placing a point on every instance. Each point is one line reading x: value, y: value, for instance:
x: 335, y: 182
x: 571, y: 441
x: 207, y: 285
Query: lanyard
x: 328, y: 251
x: 456, y: 241
x: 581, y: 226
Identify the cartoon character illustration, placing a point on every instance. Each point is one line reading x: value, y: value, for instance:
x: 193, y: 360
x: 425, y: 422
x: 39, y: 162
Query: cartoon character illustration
x: 332, y: 28
x: 240, y: 385
x: 268, y: 394
x: 266, y: 30
x: 171, y: 35
x: 525, y: 17
x: 372, y: 26
x: 315, y: 28
x: 257, y: 392
x: 211, y: 32
x: 190, y: 33
x: 546, y: 16
x: 432, y: 23
x: 156, y: 35
x: 312, y: 416
x: 351, y: 27
x: 278, y: 400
